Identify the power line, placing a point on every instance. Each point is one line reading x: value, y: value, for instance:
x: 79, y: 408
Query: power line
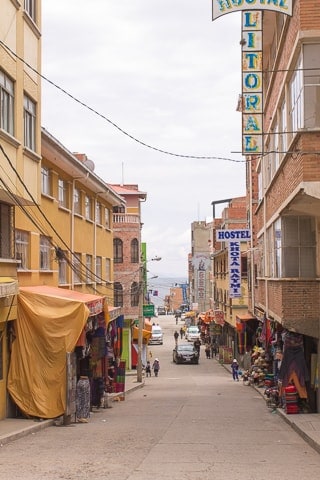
x: 124, y: 132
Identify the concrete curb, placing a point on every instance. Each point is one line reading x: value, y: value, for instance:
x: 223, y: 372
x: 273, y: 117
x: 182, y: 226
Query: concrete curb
x: 25, y: 431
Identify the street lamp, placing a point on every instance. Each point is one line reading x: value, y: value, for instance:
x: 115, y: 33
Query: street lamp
x: 141, y: 318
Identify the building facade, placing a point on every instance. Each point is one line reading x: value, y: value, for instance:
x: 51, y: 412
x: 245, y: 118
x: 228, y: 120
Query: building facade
x: 129, y: 264
x: 284, y: 188
x: 199, y: 266
x: 20, y: 135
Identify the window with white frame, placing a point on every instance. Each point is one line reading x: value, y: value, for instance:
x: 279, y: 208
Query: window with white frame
x: 107, y: 217
x: 88, y: 268
x: 45, y: 181
x: 29, y: 117
x: 30, y: 8
x: 77, y: 277
x: 311, y: 81
x: 22, y: 249
x: 108, y: 269
x: 296, y: 98
x: 77, y: 201
x: 63, y: 193
x: 98, y: 213
x: 63, y: 269
x: 88, y: 207
x: 294, y: 247
x: 45, y: 253
x: 99, y: 269
x: 6, y: 231
x: 6, y: 103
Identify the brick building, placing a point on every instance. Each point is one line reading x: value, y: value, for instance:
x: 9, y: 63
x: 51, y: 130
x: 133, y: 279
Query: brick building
x: 127, y: 261
x: 284, y: 187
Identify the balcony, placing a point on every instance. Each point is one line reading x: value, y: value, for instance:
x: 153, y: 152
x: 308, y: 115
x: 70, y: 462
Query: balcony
x: 125, y: 218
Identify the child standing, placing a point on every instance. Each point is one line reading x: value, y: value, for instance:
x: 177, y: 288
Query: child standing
x: 148, y: 369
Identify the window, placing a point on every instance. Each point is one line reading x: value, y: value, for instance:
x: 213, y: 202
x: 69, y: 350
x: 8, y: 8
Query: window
x: 6, y: 103
x: 107, y: 217
x: 108, y: 269
x: 29, y: 117
x: 22, y: 249
x: 99, y: 269
x: 77, y: 201
x: 63, y: 193
x: 1, y: 353
x: 88, y: 208
x: 63, y: 271
x: 77, y: 277
x: 45, y: 248
x: 118, y: 295
x: 88, y: 268
x: 45, y: 181
x: 98, y: 213
x: 6, y: 231
x: 292, y: 248
x: 117, y: 250
x: 30, y: 8
x: 134, y: 251
x: 134, y: 294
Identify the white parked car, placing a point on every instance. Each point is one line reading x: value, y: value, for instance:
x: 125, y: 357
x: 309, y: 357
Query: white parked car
x: 157, y: 336
x: 192, y: 333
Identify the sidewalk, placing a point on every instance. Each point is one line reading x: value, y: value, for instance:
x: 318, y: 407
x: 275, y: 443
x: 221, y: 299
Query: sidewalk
x: 307, y: 425
x: 14, y: 428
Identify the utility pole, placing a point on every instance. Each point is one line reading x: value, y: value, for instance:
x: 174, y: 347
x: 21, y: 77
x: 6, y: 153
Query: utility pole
x: 141, y: 324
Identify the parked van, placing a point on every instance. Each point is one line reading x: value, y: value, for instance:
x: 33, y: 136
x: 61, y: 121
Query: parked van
x: 157, y: 336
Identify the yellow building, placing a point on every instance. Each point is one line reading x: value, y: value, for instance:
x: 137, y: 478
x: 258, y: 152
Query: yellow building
x: 20, y: 145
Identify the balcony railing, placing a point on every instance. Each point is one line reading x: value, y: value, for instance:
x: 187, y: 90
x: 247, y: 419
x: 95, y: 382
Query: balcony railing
x: 125, y: 218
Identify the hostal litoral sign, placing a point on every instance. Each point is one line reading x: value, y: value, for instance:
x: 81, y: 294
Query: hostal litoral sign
x: 234, y: 238
x: 221, y: 7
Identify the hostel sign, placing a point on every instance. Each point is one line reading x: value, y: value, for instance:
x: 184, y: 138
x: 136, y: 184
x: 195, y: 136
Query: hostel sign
x: 234, y: 238
x: 221, y: 7
x: 252, y: 94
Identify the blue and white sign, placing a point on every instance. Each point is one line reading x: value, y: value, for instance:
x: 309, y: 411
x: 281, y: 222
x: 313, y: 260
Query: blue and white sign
x: 234, y: 254
x: 228, y: 235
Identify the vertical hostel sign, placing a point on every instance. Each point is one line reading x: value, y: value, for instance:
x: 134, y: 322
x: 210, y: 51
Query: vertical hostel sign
x: 252, y: 65
x: 252, y: 100
x: 234, y: 238
x: 221, y: 7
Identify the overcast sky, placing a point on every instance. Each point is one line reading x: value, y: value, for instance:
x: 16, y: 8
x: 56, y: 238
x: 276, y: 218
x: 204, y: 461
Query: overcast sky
x: 168, y: 76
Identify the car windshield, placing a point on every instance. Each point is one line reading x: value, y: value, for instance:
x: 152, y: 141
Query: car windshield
x: 185, y: 348
x: 193, y: 330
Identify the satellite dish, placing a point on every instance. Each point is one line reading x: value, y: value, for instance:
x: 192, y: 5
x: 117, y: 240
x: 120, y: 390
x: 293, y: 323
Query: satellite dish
x: 89, y: 164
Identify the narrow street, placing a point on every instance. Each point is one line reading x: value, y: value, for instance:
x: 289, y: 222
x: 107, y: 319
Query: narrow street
x: 191, y: 423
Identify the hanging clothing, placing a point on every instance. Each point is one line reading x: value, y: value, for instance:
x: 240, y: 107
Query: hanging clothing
x: 83, y: 399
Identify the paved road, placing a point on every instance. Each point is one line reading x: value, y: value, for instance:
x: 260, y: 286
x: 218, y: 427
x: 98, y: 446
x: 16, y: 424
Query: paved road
x: 191, y: 423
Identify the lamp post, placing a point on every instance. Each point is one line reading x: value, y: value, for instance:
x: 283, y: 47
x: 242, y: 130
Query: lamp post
x: 141, y: 318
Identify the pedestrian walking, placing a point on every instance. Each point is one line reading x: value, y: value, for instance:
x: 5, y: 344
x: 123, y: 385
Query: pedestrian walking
x: 176, y: 336
x: 235, y: 370
x: 197, y: 345
x: 208, y: 350
x: 181, y: 333
x: 148, y: 369
x: 156, y: 367
x: 214, y: 349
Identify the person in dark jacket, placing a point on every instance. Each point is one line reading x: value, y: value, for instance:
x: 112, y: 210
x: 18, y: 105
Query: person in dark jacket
x: 235, y: 370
